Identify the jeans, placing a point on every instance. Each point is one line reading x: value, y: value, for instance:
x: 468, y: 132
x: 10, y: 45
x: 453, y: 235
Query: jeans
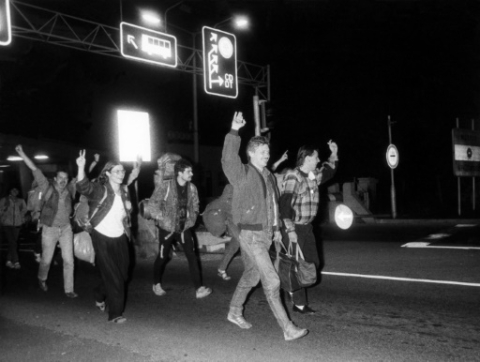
x: 165, y: 243
x: 50, y: 237
x: 11, y: 234
x: 112, y: 260
x: 259, y: 267
x: 231, y: 249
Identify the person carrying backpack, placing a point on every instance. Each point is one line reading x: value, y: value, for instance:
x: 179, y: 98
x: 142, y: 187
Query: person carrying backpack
x: 55, y: 214
x: 12, y: 217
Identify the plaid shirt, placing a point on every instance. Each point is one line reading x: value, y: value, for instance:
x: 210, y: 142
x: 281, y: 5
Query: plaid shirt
x: 300, y: 199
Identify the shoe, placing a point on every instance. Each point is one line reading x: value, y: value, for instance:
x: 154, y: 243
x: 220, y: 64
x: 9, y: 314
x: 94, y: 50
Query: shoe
x: 239, y: 321
x: 223, y: 274
x: 306, y: 310
x: 38, y: 258
x: 293, y: 332
x: 101, y: 306
x: 71, y: 295
x: 157, y: 289
x: 43, y: 285
x: 17, y: 265
x: 118, y: 320
x: 203, y: 292
x: 9, y: 264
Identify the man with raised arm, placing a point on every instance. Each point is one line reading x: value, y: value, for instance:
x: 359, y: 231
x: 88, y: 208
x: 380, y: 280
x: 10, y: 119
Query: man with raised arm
x: 55, y: 219
x: 299, y: 205
x: 255, y: 212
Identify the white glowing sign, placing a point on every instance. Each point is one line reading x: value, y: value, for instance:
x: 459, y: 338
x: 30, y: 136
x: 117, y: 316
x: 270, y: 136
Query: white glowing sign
x: 148, y: 45
x: 5, y: 26
x: 219, y: 63
x: 343, y: 216
x: 392, y: 156
x: 133, y: 135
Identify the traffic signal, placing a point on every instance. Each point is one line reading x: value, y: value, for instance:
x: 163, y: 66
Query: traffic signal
x: 5, y: 26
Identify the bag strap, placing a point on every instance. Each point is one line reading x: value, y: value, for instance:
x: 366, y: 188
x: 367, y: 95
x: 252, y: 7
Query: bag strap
x: 98, y: 206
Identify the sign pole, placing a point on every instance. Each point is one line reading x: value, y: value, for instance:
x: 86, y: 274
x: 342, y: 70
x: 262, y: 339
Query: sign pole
x: 459, y: 193
x: 392, y: 187
x: 256, y: 113
x: 473, y: 177
x: 195, y: 107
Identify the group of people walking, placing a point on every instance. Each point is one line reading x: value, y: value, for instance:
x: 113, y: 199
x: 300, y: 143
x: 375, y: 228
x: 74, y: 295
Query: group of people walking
x: 259, y: 215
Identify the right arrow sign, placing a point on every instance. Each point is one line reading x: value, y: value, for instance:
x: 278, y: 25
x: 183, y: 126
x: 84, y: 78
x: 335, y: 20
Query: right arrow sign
x: 219, y: 63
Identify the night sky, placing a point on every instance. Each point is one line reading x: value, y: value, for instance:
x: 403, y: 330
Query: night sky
x: 338, y: 70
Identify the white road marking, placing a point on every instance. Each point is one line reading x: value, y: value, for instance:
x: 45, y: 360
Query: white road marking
x: 447, y: 282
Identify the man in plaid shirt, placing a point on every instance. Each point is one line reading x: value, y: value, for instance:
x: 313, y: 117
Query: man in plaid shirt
x: 299, y: 206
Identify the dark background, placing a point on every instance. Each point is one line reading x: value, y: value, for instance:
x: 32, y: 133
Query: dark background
x: 338, y: 70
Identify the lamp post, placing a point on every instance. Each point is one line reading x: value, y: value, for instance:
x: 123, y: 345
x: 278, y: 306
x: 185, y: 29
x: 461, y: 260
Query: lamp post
x: 240, y: 22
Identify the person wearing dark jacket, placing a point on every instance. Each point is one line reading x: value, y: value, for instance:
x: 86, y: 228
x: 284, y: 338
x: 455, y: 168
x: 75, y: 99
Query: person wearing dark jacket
x: 299, y: 206
x: 55, y: 221
x: 255, y: 212
x: 109, y: 215
x: 12, y: 217
x: 217, y: 217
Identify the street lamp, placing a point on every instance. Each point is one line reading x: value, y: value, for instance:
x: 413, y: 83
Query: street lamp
x: 239, y: 22
x: 151, y: 18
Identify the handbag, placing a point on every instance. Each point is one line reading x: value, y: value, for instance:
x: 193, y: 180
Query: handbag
x: 294, y: 272
x: 83, y: 247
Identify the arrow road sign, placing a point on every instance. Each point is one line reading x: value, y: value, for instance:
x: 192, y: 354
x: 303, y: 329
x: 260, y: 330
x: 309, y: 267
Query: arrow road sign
x: 220, y: 63
x: 5, y: 25
x: 148, y: 45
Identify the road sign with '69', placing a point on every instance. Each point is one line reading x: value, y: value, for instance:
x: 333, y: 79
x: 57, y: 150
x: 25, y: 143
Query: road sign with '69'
x: 219, y: 63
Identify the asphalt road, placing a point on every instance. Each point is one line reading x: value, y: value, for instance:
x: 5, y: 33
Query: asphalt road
x: 378, y: 301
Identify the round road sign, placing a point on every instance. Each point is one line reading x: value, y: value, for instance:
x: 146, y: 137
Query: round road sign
x: 392, y: 156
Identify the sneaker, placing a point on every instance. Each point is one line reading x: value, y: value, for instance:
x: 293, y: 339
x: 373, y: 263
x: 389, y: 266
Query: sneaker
x: 101, y: 306
x: 157, y: 289
x: 223, y: 274
x: 118, y: 320
x: 203, y: 292
x: 71, y: 295
x: 305, y: 310
x: 43, y: 285
x: 9, y: 264
x: 293, y: 332
x: 239, y: 321
x: 17, y: 265
x: 38, y: 258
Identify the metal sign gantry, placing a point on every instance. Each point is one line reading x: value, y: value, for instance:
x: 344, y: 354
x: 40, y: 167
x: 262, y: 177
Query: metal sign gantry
x: 40, y: 24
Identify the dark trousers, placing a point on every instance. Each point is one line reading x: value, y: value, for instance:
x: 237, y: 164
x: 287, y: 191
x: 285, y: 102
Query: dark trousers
x: 307, y: 243
x: 11, y: 234
x: 165, y: 245
x: 112, y: 260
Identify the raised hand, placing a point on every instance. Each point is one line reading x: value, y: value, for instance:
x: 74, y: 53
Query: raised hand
x: 81, y: 160
x: 238, y: 121
x: 333, y: 147
x: 96, y: 157
x: 19, y: 149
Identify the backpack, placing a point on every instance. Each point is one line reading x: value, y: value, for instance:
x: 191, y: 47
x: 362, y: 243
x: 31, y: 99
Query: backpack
x: 36, y: 200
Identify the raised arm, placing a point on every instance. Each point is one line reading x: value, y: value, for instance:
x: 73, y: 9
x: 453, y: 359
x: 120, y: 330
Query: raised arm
x: 280, y: 160
x: 96, y: 158
x: 81, y: 165
x: 25, y: 158
x: 231, y: 163
x: 136, y: 170
x: 328, y: 169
